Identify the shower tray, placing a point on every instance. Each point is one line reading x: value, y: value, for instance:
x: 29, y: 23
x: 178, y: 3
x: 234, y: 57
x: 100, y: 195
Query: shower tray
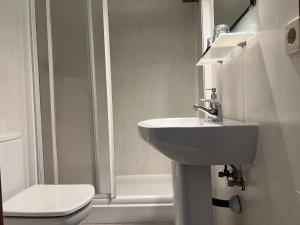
x: 140, y: 198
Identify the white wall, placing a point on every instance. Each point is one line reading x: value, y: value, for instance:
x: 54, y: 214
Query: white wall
x: 13, y: 153
x: 153, y: 49
x: 262, y: 85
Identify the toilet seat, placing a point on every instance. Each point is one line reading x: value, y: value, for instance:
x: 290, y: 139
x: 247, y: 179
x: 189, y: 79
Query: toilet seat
x: 72, y: 219
x: 44, y: 201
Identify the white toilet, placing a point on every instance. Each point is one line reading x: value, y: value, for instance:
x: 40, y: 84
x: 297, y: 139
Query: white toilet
x: 49, y: 205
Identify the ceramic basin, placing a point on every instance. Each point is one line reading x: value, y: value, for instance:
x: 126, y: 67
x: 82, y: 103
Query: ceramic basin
x: 194, y: 145
x: 196, y: 141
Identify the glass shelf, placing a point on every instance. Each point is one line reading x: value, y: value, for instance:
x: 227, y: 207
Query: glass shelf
x: 222, y: 49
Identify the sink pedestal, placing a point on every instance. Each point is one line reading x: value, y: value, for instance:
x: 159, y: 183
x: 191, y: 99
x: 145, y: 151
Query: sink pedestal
x: 192, y: 194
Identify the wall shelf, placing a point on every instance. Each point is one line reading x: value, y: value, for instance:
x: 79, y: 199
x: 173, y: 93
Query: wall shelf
x: 222, y: 49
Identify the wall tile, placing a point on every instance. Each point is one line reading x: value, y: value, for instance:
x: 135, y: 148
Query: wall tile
x: 12, y: 95
x: 12, y: 67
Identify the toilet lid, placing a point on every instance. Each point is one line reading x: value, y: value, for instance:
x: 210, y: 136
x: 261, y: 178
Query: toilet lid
x: 49, y: 200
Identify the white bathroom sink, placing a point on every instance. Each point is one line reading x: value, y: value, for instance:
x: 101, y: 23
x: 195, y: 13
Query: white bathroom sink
x: 194, y: 145
x: 196, y: 141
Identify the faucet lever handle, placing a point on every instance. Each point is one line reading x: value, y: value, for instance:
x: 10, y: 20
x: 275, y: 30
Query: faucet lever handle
x: 206, y: 100
x: 212, y: 89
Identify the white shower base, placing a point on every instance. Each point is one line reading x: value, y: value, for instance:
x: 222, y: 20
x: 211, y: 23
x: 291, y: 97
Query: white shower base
x: 140, y: 198
x: 150, y: 188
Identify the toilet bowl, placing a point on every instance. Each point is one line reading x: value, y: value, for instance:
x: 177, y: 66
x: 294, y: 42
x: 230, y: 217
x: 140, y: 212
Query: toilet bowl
x: 49, y: 205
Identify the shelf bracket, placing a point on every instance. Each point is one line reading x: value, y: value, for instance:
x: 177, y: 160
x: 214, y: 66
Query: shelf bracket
x: 242, y: 44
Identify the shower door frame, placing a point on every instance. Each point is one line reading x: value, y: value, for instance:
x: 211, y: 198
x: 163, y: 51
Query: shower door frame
x: 108, y: 92
x: 36, y: 153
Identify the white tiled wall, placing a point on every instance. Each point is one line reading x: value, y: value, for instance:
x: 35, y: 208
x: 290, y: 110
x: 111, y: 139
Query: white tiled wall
x: 153, y: 50
x: 263, y: 85
x: 11, y: 66
x: 12, y: 96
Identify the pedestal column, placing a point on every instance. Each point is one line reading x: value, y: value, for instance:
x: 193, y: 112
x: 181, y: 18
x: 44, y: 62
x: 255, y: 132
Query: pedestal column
x: 192, y: 194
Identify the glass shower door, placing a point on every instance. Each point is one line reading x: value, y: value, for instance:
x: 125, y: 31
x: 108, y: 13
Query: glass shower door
x: 74, y: 94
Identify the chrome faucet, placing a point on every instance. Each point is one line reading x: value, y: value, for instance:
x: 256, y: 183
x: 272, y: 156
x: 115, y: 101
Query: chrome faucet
x: 215, y: 111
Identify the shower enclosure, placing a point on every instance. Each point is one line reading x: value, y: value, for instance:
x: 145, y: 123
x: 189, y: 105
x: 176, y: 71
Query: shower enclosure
x: 103, y: 66
x: 74, y: 92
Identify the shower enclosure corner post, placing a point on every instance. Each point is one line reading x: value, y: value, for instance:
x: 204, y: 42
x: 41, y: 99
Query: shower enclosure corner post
x: 52, y: 90
x: 94, y: 97
x: 36, y: 165
x: 109, y: 97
